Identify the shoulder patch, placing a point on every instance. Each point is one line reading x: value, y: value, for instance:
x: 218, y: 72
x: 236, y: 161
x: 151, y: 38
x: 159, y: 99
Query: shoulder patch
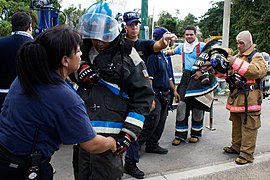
x: 135, y: 56
x: 145, y: 73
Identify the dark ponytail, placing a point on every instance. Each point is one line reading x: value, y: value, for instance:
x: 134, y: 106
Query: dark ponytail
x: 32, y: 67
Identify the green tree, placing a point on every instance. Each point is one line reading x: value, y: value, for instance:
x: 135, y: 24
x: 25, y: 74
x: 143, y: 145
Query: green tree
x: 245, y: 15
x: 211, y: 22
x: 174, y: 24
x: 73, y: 15
x: 7, y: 9
x: 168, y: 21
x: 253, y: 16
x: 190, y: 19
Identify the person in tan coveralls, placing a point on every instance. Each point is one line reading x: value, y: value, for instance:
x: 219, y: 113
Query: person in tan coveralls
x: 248, y: 69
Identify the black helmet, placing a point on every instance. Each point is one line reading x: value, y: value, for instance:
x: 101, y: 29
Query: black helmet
x: 218, y: 58
x: 206, y: 52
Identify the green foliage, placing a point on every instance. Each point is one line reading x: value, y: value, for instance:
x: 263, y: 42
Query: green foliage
x: 7, y: 9
x: 211, y: 22
x: 249, y: 15
x: 5, y: 27
x: 190, y: 19
x: 73, y: 15
x: 245, y: 15
x: 253, y: 16
x: 175, y: 25
x: 167, y: 20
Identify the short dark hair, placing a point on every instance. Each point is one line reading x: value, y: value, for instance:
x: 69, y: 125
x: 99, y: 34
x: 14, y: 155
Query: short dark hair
x: 36, y: 60
x: 189, y: 27
x: 21, y: 21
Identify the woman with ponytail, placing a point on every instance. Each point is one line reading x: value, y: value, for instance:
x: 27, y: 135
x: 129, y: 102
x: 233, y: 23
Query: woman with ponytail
x: 41, y: 111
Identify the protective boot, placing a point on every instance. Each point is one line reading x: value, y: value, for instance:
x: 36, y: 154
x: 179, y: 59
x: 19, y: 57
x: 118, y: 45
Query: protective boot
x: 241, y: 160
x: 194, y: 139
x: 230, y: 150
x: 176, y: 142
x: 133, y: 170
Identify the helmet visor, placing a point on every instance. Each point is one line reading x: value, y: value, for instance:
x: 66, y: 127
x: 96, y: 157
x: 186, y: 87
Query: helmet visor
x: 99, y: 26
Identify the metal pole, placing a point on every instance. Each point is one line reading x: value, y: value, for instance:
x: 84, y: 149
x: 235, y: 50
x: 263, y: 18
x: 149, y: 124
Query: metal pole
x: 210, y: 127
x: 152, y: 25
x: 144, y: 18
x: 226, y: 23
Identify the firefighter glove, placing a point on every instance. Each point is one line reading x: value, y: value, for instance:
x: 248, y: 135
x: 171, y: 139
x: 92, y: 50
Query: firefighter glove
x: 86, y: 75
x: 122, y: 143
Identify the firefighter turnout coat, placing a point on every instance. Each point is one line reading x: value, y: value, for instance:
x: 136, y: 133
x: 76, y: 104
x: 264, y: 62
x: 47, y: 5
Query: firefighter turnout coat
x: 123, y: 94
x: 252, y: 68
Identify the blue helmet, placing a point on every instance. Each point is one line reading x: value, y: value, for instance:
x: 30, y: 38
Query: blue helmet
x: 99, y: 23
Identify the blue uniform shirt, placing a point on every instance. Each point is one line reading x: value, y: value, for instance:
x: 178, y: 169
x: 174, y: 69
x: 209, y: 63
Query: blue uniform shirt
x: 190, y: 58
x: 59, y: 111
x: 9, y: 46
x: 159, y: 71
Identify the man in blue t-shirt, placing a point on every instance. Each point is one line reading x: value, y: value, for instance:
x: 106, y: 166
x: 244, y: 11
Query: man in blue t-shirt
x: 189, y: 50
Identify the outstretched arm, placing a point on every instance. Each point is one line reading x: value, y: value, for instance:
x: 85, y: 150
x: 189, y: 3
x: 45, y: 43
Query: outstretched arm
x: 164, y: 41
x: 99, y: 144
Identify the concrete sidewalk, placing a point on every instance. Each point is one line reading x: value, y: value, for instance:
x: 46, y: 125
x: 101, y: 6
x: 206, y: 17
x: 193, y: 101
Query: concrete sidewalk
x: 197, y: 160
x: 258, y: 170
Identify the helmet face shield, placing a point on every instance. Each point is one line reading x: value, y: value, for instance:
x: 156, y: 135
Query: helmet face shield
x: 99, y: 26
x: 99, y: 23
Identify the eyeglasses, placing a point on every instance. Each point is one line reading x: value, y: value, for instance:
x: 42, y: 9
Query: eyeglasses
x: 189, y: 34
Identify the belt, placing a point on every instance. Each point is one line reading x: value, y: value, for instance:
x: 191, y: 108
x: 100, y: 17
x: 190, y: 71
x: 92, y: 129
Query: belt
x: 21, y: 159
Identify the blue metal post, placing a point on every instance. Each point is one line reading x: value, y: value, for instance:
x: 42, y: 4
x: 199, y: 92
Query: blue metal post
x: 47, y: 17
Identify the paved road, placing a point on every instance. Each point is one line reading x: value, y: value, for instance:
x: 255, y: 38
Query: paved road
x: 203, y: 160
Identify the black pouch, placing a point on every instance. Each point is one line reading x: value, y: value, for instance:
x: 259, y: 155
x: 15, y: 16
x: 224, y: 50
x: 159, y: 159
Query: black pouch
x: 163, y: 97
x: 33, y: 164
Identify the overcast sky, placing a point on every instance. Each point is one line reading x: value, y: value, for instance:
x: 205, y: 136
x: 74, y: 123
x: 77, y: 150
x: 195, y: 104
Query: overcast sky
x: 195, y: 7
